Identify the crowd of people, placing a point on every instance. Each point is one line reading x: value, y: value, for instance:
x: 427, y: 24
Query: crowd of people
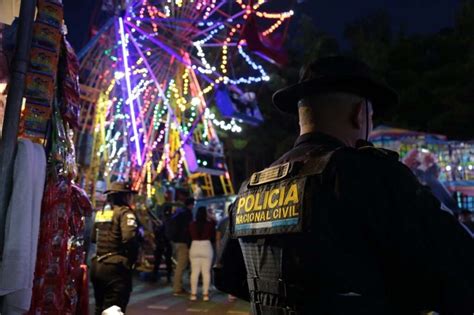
x: 193, y: 236
x: 187, y: 234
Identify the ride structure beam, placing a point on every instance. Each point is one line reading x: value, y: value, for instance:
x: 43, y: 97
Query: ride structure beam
x: 94, y: 39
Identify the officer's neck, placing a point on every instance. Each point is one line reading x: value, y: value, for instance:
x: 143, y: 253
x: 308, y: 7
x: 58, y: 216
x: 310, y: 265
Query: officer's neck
x: 348, y: 138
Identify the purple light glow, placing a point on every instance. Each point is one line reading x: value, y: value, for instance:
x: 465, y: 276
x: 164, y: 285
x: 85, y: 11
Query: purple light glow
x: 129, y: 90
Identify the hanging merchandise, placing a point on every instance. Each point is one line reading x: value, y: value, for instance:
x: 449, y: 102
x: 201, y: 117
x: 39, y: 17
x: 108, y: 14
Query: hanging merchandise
x: 41, y: 76
x: 49, y: 284
x: 50, y: 114
x: 22, y: 228
x: 69, y: 84
x: 60, y: 270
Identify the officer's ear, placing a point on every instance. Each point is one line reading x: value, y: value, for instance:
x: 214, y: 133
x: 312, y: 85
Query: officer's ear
x: 357, y: 117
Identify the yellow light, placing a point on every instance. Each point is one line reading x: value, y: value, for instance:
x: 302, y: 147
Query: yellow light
x: 23, y: 104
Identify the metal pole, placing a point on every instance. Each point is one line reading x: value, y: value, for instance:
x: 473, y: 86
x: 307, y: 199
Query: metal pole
x: 8, y: 142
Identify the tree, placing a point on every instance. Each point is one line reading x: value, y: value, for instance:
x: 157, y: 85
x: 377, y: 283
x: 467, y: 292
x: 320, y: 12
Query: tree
x: 432, y: 73
x: 370, y: 38
x: 310, y: 43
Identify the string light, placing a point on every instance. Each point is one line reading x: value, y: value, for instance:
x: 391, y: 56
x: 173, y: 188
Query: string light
x: 222, y: 124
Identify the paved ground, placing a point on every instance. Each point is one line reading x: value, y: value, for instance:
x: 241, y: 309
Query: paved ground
x: 149, y: 298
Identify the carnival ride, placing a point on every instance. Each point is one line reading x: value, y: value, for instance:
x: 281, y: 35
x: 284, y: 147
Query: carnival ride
x: 455, y: 159
x: 161, y: 77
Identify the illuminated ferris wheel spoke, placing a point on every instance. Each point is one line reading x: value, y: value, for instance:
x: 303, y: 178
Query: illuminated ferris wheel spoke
x: 155, y: 80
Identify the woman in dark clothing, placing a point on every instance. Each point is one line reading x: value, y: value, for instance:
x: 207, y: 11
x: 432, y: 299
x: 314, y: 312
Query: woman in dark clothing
x: 202, y: 234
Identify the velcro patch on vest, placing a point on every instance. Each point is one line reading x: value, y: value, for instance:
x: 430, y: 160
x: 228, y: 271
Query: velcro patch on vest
x: 273, y: 208
x: 104, y: 216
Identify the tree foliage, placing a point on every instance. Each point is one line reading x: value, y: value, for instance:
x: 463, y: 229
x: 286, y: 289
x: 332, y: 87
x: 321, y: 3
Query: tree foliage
x: 432, y: 73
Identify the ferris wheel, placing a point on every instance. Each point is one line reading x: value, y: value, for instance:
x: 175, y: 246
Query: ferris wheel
x: 162, y: 76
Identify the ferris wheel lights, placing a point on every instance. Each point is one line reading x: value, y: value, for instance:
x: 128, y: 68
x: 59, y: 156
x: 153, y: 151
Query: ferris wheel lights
x: 195, y: 101
x: 119, y: 75
x: 181, y: 95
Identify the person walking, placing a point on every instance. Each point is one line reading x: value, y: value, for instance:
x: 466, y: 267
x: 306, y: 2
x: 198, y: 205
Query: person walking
x: 177, y: 229
x: 336, y: 226
x: 115, y: 232
x: 163, y: 248
x: 203, y: 232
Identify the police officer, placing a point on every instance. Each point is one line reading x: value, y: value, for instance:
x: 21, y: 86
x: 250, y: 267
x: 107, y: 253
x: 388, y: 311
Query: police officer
x: 336, y: 226
x: 116, y: 234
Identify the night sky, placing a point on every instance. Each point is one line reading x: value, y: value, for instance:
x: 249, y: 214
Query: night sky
x: 416, y: 16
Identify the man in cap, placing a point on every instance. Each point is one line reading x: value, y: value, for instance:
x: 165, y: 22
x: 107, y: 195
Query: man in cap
x: 336, y: 226
x: 117, y: 237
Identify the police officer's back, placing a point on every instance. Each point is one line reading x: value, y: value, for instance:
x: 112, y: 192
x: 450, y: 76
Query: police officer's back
x: 116, y: 234
x: 336, y: 226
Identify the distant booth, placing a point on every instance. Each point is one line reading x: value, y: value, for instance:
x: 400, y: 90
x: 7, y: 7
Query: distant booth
x: 453, y: 160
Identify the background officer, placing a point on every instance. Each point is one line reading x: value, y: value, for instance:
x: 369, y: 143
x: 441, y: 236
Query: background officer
x: 374, y: 240
x: 116, y: 234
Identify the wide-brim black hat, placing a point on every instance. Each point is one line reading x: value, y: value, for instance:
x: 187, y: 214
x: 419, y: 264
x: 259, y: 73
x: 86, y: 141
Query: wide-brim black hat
x: 336, y: 74
x: 120, y: 187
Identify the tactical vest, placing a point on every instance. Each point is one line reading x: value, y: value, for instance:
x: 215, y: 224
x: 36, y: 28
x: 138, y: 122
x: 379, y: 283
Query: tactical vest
x: 108, y: 234
x: 272, y: 218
